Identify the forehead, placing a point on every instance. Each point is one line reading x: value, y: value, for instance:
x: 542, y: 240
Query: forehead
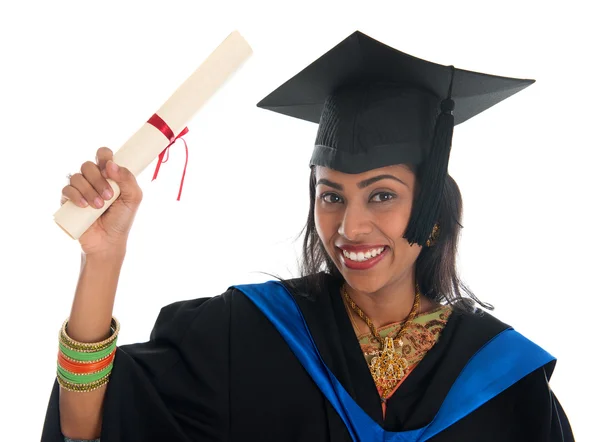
x: 402, y: 171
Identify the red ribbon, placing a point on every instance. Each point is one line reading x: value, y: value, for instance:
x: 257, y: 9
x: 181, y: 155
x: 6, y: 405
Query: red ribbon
x: 162, y: 126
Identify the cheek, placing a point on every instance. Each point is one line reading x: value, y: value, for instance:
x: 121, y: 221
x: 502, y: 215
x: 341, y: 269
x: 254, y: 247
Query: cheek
x: 404, y: 253
x: 322, y: 224
x: 408, y: 253
x: 327, y: 223
x: 394, y: 223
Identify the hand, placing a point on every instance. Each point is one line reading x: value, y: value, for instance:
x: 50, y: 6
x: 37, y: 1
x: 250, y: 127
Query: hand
x: 108, y: 235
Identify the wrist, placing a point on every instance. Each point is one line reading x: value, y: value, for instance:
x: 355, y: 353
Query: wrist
x: 107, y: 258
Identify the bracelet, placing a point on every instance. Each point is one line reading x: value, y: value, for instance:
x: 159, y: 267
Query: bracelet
x: 78, y: 367
x: 83, y: 367
x: 88, y: 358
x: 77, y: 388
x: 92, y: 346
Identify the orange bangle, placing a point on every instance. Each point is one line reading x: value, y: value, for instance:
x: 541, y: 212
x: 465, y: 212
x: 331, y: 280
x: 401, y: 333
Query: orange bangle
x: 79, y: 368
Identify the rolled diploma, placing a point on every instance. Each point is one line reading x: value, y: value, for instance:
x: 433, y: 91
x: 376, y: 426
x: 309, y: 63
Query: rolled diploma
x: 148, y: 142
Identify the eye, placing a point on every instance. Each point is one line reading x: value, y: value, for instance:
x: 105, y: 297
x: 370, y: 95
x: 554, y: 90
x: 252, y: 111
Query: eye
x: 331, y: 198
x: 382, y: 197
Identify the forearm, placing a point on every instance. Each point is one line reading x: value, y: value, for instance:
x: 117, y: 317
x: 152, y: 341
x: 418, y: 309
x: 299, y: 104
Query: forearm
x: 89, y: 321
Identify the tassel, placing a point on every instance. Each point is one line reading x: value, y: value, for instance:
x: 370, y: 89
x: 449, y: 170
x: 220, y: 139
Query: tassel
x: 433, y: 175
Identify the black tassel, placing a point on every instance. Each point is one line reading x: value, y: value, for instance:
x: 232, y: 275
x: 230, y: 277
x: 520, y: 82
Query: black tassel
x: 432, y: 176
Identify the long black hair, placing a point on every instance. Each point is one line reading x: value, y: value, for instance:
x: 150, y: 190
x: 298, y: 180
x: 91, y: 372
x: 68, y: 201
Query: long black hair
x: 436, y: 271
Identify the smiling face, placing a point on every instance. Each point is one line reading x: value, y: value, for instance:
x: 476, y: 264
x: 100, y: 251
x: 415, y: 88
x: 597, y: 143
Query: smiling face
x: 361, y: 218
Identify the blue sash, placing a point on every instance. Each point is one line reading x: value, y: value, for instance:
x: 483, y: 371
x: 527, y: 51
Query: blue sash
x: 504, y: 360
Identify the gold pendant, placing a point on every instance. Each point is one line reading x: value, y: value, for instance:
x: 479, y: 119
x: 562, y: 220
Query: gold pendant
x: 388, y: 367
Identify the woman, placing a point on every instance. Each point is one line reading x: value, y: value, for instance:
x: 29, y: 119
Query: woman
x: 374, y: 342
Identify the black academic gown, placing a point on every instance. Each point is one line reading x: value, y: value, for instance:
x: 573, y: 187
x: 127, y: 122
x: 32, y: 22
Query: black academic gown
x: 216, y: 369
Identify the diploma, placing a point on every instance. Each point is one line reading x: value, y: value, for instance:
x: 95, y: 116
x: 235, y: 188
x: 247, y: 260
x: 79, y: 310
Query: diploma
x: 148, y: 142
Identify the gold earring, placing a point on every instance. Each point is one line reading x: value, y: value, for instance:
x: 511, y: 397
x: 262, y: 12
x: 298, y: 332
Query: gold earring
x: 435, y: 234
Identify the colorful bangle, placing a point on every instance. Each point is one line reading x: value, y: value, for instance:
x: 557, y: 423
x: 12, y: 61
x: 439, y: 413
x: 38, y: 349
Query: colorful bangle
x: 90, y: 346
x: 77, y: 367
x: 82, y: 379
x: 84, y: 367
x: 77, y: 388
x: 86, y: 357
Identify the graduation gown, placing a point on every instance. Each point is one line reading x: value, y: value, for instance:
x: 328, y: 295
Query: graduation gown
x: 216, y: 369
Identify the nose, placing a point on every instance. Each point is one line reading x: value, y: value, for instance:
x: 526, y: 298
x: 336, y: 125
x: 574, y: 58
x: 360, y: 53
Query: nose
x: 355, y: 223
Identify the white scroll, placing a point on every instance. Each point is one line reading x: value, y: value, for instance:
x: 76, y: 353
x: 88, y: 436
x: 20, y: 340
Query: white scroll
x: 148, y: 142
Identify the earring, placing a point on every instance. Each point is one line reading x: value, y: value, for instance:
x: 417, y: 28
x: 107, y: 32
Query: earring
x: 435, y: 234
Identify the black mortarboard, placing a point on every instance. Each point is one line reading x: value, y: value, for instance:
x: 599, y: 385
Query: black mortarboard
x: 377, y: 106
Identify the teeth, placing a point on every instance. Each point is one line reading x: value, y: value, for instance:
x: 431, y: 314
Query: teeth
x: 363, y: 256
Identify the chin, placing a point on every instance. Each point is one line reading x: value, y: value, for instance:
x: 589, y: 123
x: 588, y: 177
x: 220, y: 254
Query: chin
x: 364, y: 281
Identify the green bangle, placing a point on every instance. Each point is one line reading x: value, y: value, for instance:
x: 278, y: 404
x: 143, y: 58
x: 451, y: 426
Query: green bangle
x: 85, y: 356
x: 84, y: 388
x: 82, y: 378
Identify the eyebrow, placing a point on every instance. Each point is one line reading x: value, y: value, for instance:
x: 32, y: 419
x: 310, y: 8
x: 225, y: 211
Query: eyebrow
x: 362, y: 184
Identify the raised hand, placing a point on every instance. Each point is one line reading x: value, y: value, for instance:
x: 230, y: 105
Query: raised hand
x: 110, y: 231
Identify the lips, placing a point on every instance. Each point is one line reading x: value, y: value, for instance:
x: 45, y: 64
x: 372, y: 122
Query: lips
x: 364, y: 250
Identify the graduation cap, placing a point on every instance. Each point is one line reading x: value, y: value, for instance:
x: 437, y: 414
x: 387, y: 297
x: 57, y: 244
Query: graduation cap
x: 377, y: 106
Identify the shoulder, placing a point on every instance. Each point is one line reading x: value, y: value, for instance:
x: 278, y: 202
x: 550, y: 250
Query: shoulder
x: 473, y: 327
x: 500, y: 344
x: 177, y: 319
x: 475, y: 332
x: 480, y: 327
x: 309, y: 287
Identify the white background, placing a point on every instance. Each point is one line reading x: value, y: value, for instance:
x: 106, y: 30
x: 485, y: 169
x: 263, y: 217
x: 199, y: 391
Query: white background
x: 79, y: 75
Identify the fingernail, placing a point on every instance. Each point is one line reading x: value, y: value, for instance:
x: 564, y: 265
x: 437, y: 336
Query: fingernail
x: 113, y: 166
x: 84, y: 203
x: 98, y: 203
x: 107, y: 194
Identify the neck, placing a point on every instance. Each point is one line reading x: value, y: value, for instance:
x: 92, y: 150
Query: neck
x: 388, y: 305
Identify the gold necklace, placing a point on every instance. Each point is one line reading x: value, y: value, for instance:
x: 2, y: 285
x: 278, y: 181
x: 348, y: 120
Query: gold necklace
x: 354, y: 324
x: 387, y: 367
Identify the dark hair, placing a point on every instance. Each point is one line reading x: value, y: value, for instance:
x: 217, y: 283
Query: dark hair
x: 436, y: 271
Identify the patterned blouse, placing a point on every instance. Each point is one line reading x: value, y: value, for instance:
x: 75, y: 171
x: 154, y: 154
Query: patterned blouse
x: 419, y: 337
